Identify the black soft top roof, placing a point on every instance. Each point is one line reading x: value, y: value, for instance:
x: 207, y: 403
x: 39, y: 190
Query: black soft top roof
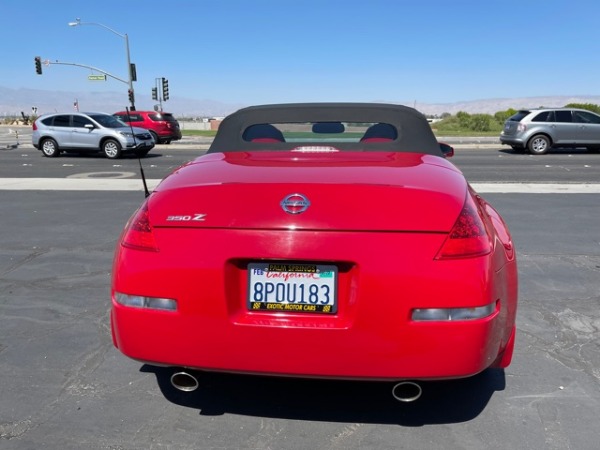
x: 414, y: 132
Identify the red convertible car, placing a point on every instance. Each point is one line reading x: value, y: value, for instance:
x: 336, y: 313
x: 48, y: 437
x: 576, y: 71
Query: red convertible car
x: 330, y: 240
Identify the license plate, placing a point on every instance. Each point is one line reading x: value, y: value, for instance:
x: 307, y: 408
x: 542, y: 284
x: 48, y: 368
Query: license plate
x: 292, y: 287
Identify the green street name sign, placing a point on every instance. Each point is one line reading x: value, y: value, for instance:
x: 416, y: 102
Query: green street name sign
x: 97, y: 77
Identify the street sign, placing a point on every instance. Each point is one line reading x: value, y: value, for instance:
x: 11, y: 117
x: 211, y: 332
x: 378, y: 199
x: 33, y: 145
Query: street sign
x: 97, y: 77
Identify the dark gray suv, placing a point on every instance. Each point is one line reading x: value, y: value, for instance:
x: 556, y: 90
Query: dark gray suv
x: 538, y: 130
x: 89, y: 132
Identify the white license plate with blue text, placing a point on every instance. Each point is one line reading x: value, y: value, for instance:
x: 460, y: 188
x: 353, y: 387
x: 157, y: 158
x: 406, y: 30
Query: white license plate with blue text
x: 292, y: 287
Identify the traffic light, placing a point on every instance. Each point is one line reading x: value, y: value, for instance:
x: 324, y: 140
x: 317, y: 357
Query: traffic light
x: 154, y: 93
x: 165, y: 89
x: 38, y: 65
x: 131, y: 97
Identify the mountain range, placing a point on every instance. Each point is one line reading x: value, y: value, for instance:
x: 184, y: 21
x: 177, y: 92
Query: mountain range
x: 13, y: 101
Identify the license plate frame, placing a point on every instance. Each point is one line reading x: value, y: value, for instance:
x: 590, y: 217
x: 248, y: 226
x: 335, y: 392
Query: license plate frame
x: 292, y: 287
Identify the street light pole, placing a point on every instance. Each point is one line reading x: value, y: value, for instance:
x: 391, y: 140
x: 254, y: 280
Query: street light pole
x: 78, y: 22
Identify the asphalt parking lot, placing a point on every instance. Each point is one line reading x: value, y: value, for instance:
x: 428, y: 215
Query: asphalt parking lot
x: 64, y: 386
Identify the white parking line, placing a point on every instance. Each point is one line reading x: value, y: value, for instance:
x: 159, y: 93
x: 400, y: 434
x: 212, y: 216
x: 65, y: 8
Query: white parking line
x: 538, y: 188
x: 75, y: 184
x: 131, y: 184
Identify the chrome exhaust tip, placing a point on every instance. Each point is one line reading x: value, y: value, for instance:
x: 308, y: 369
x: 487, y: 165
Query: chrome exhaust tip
x: 184, y: 381
x: 407, y: 391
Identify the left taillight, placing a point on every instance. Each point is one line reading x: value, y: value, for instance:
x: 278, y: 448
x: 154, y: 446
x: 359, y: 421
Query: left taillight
x: 470, y: 236
x: 34, y: 126
x: 138, y: 233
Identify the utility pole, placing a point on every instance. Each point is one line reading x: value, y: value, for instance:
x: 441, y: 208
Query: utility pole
x: 132, y: 76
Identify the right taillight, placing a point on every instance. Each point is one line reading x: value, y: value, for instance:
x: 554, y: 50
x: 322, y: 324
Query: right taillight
x: 470, y: 236
x: 34, y: 126
x: 138, y: 232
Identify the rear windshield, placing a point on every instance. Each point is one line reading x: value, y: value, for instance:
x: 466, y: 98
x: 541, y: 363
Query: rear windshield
x: 519, y: 116
x: 320, y: 132
x: 166, y: 117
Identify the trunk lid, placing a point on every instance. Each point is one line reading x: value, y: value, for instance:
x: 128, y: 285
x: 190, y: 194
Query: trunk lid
x: 348, y: 191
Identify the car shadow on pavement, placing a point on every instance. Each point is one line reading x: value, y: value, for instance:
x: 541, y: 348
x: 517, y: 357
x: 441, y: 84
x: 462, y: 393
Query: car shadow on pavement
x: 442, y: 402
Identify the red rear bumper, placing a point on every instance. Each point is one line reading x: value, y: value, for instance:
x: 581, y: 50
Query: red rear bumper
x: 372, y: 335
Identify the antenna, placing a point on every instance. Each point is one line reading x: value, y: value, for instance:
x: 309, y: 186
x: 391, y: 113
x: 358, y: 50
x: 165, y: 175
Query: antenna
x: 146, y: 191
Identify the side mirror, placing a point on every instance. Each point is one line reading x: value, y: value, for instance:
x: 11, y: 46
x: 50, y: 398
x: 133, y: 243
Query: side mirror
x: 89, y: 126
x: 447, y: 150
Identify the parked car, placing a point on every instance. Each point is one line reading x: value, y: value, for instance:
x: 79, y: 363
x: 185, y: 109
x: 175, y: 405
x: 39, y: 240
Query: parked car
x: 163, y: 126
x: 538, y: 130
x: 339, y: 230
x: 89, y: 132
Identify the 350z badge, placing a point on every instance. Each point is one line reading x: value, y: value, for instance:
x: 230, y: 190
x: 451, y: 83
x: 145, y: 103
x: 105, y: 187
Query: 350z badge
x: 187, y: 218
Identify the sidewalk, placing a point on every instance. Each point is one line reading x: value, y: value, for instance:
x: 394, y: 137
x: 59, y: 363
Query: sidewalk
x: 471, y: 142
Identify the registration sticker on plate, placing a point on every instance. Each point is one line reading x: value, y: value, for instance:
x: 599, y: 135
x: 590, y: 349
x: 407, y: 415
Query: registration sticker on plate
x: 292, y: 287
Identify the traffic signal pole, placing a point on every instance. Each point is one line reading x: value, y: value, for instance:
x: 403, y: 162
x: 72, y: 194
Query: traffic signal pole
x: 130, y: 67
x: 38, y: 68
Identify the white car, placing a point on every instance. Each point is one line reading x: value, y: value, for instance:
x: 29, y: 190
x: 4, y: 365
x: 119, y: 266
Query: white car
x: 89, y: 132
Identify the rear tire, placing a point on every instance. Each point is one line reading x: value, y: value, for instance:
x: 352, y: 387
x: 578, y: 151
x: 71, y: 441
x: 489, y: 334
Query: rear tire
x: 49, y: 148
x: 538, y: 145
x: 111, y: 149
x: 155, y: 137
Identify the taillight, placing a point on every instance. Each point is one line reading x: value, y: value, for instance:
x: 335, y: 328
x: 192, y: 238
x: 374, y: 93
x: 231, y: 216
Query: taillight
x: 34, y: 126
x: 138, y: 233
x: 469, y: 236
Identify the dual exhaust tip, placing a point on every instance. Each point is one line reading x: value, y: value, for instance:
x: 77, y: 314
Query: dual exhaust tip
x: 184, y: 381
x: 405, y: 391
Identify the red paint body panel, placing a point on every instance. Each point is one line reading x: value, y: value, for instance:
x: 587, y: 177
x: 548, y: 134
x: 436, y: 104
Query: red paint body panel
x: 380, y: 217
x: 383, y: 276
x: 370, y: 337
x: 348, y: 191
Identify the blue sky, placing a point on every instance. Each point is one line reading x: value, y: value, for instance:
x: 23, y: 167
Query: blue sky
x: 272, y: 51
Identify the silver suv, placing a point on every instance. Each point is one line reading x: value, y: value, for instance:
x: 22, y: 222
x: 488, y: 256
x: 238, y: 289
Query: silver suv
x: 83, y: 132
x: 538, y: 130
